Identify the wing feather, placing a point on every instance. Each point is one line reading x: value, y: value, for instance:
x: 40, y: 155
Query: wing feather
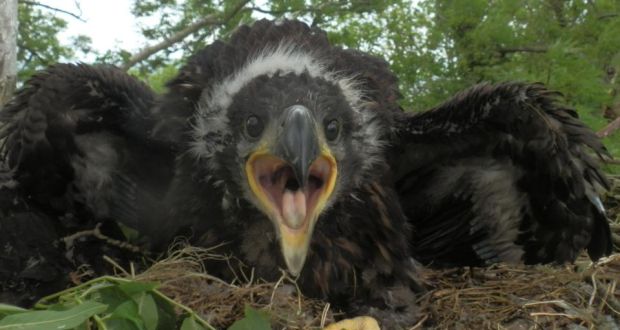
x: 501, y: 173
x: 73, y: 130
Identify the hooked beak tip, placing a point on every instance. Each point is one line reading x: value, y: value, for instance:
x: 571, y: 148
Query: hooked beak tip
x: 295, y: 262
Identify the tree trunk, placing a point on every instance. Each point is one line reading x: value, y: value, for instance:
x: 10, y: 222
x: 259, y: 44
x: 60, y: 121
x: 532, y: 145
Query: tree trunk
x: 8, y: 49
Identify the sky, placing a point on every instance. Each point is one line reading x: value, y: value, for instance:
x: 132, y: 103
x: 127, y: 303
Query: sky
x: 108, y: 23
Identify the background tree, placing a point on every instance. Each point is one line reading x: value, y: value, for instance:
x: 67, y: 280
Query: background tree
x: 436, y: 47
x: 38, y: 44
x: 8, y: 49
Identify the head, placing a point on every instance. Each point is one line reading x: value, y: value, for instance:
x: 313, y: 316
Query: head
x: 290, y: 136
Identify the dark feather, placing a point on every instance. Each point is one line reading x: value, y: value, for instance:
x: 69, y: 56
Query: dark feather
x: 498, y: 173
x: 549, y: 179
x: 68, y: 135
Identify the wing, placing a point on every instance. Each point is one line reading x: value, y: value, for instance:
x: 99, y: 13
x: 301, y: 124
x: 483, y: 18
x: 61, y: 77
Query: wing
x: 31, y: 265
x: 501, y: 173
x: 76, y: 140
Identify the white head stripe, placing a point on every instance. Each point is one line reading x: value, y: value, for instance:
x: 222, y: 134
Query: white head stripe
x: 211, y: 125
x: 285, y: 58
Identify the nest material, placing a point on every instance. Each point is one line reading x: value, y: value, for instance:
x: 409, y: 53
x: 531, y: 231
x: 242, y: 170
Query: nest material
x: 585, y: 295
x: 579, y: 296
x: 525, y: 297
x: 184, y: 279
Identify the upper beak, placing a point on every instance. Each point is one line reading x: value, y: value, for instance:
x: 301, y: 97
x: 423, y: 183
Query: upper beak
x: 293, y: 182
x: 298, y: 144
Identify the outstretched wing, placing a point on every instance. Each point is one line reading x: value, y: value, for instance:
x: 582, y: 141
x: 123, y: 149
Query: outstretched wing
x: 76, y: 140
x: 501, y: 173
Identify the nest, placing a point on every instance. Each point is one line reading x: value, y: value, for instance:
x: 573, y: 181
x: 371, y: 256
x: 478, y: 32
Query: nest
x: 183, y: 278
x: 525, y: 297
x: 502, y: 296
x: 582, y: 295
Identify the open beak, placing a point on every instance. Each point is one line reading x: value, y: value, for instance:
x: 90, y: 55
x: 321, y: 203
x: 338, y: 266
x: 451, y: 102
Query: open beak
x: 293, y: 183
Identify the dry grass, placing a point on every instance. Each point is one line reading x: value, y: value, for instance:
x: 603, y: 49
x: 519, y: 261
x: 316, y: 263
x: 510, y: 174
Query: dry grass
x: 525, y: 297
x: 184, y: 279
x: 583, y: 295
x: 501, y: 296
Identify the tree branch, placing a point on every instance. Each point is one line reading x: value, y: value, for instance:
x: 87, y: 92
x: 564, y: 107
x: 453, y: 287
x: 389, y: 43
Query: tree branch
x: 32, y: 54
x: 38, y: 4
x: 308, y: 10
x: 609, y: 129
x: 610, y: 15
x: 210, y: 20
x: 532, y: 49
x: 267, y: 11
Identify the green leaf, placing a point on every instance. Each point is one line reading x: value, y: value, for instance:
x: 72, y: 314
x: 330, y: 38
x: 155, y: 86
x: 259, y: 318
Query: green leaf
x: 10, y: 309
x: 111, y: 296
x: 66, y: 319
x: 147, y: 309
x: 253, y: 320
x: 190, y: 324
x: 133, y: 288
x: 121, y: 324
x: 128, y: 311
x: 167, y: 317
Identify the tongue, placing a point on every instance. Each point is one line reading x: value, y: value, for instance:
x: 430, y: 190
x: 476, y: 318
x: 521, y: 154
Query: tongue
x: 294, y: 208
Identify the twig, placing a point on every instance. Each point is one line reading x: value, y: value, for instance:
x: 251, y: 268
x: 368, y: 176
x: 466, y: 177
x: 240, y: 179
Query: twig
x: 38, y: 4
x: 275, y: 287
x: 116, y: 265
x: 420, y: 323
x: 610, y: 301
x: 593, y: 278
x: 96, y: 232
x: 609, y: 129
x: 324, y: 315
x: 615, y: 238
x: 181, y: 35
x: 572, y: 317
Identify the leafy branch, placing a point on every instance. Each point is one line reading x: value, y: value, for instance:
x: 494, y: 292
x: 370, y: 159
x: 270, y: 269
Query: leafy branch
x: 211, y: 20
x: 105, y: 300
x: 38, y: 4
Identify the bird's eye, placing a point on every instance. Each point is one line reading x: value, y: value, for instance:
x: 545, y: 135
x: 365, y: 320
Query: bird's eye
x: 332, y: 128
x: 254, y: 126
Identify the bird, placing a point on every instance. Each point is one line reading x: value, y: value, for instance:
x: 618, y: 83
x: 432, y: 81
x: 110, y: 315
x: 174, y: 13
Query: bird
x: 297, y: 155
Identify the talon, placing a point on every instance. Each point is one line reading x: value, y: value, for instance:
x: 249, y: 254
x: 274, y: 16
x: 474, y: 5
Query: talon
x: 356, y: 323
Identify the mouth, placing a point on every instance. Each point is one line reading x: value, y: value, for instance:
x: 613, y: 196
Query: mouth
x: 292, y: 203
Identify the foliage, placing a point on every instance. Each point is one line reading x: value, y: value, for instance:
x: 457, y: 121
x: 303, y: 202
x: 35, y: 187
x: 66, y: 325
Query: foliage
x: 253, y: 320
x: 116, y: 303
x: 37, y: 40
x: 158, y: 77
x: 104, y: 303
x: 435, y: 47
x: 440, y: 47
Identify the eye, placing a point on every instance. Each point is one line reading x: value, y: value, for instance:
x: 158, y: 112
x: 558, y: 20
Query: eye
x: 254, y: 126
x: 332, y: 129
